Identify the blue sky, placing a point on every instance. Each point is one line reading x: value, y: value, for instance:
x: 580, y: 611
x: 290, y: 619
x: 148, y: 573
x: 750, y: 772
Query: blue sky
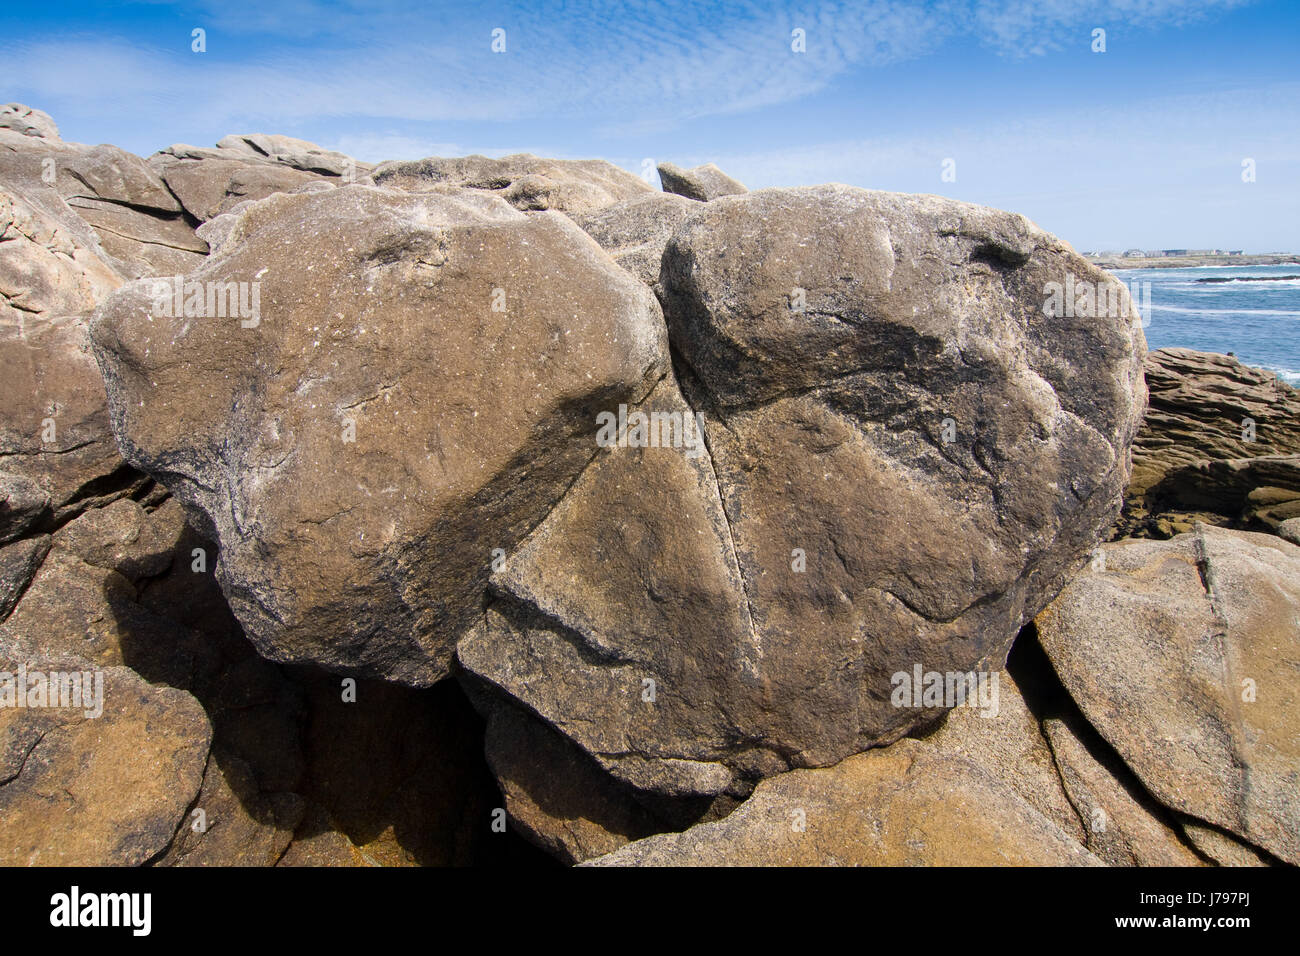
x: 1141, y: 145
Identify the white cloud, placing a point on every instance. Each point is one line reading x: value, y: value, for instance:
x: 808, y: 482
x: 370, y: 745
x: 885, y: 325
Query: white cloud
x: 650, y: 64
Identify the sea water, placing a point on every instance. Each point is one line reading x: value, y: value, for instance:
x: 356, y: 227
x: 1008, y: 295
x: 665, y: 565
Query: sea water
x: 1259, y: 322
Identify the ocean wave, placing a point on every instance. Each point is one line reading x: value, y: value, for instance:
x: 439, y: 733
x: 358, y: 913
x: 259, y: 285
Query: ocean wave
x: 1192, y: 284
x: 1284, y: 313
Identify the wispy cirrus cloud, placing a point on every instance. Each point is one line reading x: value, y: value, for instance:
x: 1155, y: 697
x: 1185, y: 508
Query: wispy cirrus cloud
x: 651, y: 63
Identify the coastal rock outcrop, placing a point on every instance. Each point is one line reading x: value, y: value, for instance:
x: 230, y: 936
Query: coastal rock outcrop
x: 442, y: 493
x: 701, y: 183
x: 573, y: 186
x: 1181, y: 654
x: 1215, y: 431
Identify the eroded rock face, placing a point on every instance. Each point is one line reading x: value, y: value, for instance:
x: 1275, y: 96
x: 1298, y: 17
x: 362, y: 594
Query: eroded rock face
x: 55, y: 438
x: 18, y: 563
x: 555, y: 794
x: 106, y: 790
x: 1207, y: 407
x: 51, y: 263
x: 1010, y: 745
x: 906, y: 805
x: 828, y: 535
x: 1181, y: 654
x: 1121, y: 829
x: 635, y: 231
x: 137, y: 224
x: 419, y: 387
x: 22, y: 503
x: 701, y: 183
x: 294, y: 153
x: 27, y: 121
x: 209, y: 182
x: 239, y: 825
x: 573, y: 186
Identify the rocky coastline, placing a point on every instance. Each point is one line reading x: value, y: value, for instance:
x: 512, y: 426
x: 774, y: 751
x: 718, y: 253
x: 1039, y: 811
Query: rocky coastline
x: 514, y: 512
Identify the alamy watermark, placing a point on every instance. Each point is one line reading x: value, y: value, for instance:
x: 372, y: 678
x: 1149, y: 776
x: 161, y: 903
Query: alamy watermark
x: 83, y: 690
x: 133, y: 911
x: 939, y: 689
x: 1080, y: 298
x: 636, y: 429
x: 173, y: 297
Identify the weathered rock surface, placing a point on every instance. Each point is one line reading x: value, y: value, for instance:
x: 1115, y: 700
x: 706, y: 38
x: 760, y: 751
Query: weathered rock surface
x: 99, y: 791
x: 54, y: 427
x: 22, y: 504
x: 1011, y: 747
x: 136, y: 222
x: 73, y: 611
x: 294, y: 153
x: 1120, y: 827
x: 1181, y: 654
x: 1222, y: 848
x: 18, y: 563
x: 906, y: 805
x: 232, y: 823
x: 1215, y: 430
x: 1290, y: 530
x: 51, y: 263
x: 209, y: 182
x: 635, y: 231
x: 638, y: 548
x: 556, y: 795
x: 763, y: 555
x: 701, y: 183
x: 574, y: 186
x: 123, y: 537
x: 350, y: 446
x: 29, y: 122
x: 1198, y: 401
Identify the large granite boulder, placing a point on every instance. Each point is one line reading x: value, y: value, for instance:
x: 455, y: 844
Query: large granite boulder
x: 636, y: 231
x: 55, y: 436
x: 573, y: 186
x: 79, y: 788
x: 412, y: 382
x: 900, y: 458
x: 701, y: 183
x: 906, y: 805
x: 1181, y: 653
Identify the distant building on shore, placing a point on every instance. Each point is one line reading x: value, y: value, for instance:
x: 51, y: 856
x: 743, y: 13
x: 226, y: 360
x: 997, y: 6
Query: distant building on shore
x: 1166, y: 253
